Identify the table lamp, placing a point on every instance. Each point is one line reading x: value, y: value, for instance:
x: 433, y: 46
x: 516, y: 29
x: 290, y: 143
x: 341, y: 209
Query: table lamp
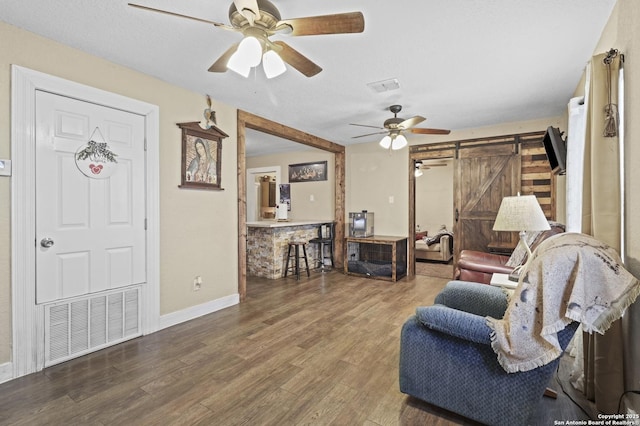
x: 521, y: 213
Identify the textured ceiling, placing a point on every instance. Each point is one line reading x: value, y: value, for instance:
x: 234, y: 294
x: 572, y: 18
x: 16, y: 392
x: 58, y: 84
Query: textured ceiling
x: 460, y: 63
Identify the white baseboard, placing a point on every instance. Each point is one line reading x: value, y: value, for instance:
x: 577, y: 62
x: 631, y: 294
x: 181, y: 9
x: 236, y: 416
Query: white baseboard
x: 6, y: 372
x: 188, y: 314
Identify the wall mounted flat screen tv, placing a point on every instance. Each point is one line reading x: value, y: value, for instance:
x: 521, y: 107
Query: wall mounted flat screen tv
x: 556, y: 149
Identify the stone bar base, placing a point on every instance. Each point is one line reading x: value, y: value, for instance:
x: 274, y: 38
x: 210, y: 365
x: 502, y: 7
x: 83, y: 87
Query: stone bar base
x: 267, y: 248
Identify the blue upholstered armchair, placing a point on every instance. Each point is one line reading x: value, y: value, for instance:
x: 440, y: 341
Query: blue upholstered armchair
x: 446, y: 358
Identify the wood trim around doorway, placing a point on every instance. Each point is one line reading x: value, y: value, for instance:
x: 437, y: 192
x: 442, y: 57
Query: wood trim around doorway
x: 251, y: 121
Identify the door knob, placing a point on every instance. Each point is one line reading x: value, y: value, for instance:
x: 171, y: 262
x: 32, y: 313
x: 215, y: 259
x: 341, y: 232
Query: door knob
x: 46, y: 242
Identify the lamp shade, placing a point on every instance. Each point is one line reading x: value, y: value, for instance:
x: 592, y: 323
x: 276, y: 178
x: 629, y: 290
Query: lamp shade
x: 386, y: 142
x: 239, y: 67
x: 273, y: 64
x: 399, y: 142
x: 247, y: 56
x: 520, y: 213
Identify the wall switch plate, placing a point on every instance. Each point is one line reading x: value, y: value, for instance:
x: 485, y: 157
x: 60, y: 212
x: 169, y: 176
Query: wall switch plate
x: 197, y: 283
x: 5, y: 167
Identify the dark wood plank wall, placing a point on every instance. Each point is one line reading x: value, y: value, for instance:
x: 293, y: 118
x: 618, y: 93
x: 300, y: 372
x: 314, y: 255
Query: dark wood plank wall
x: 537, y: 178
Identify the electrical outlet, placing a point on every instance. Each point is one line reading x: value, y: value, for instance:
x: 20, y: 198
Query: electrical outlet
x: 197, y: 283
x: 5, y: 167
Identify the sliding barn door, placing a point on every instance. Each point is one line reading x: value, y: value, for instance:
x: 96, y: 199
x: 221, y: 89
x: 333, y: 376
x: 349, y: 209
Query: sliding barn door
x: 484, y: 174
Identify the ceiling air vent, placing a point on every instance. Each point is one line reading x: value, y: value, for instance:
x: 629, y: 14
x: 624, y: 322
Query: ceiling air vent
x: 384, y: 85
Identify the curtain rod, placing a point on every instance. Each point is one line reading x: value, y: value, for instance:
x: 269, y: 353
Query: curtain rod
x: 612, y: 53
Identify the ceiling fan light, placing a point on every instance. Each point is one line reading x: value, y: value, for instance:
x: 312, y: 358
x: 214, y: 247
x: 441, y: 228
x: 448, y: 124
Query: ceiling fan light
x: 386, y: 142
x: 399, y: 142
x: 251, y: 49
x: 248, y: 55
x: 273, y: 64
x: 239, y: 67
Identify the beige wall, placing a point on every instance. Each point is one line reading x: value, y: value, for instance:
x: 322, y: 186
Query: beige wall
x: 622, y: 32
x: 375, y: 177
x: 198, y: 228
x: 302, y: 207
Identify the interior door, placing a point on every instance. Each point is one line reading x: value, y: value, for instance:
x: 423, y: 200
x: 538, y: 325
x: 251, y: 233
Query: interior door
x: 484, y: 175
x: 90, y: 229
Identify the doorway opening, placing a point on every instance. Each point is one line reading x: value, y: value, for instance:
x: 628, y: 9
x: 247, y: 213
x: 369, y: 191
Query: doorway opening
x: 434, y: 195
x: 250, y: 121
x: 263, y: 192
x: 434, y: 220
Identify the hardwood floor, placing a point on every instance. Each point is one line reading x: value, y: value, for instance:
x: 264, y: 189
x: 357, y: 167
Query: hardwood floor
x: 322, y: 350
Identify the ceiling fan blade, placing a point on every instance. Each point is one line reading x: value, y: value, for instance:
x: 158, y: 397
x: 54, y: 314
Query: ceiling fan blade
x: 410, y: 122
x: 166, y: 12
x: 249, y: 9
x: 423, y: 131
x: 296, y: 59
x: 366, y: 125
x: 429, y: 165
x: 221, y: 64
x: 340, y: 23
x: 368, y: 134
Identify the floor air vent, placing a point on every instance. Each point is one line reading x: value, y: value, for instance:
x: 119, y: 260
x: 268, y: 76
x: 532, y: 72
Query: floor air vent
x: 82, y: 325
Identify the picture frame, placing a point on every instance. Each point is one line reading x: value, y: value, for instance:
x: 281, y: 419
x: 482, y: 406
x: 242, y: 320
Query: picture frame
x: 308, y: 172
x: 201, y: 166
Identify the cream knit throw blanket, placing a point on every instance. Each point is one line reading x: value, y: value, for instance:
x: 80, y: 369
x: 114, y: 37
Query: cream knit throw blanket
x: 571, y: 277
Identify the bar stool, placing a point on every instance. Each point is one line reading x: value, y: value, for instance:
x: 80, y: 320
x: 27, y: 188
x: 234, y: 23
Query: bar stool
x: 295, y: 267
x: 324, y: 240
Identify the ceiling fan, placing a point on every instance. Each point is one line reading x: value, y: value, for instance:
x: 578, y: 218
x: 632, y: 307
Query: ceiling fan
x: 395, y: 126
x: 421, y: 165
x: 424, y: 165
x: 257, y: 20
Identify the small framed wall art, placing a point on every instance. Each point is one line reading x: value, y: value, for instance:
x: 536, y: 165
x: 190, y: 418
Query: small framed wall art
x: 308, y: 172
x: 201, y: 156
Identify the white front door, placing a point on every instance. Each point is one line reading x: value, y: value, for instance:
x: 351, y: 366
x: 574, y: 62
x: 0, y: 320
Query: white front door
x: 90, y: 224
x: 90, y: 231
x: 48, y: 332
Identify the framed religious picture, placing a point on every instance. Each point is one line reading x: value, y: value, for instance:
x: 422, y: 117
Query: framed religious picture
x: 201, y: 156
x: 308, y: 172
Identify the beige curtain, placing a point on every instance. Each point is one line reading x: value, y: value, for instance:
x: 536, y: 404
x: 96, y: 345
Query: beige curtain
x: 604, y: 372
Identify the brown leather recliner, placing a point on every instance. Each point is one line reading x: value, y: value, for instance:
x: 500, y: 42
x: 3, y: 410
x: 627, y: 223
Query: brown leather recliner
x: 478, y: 266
